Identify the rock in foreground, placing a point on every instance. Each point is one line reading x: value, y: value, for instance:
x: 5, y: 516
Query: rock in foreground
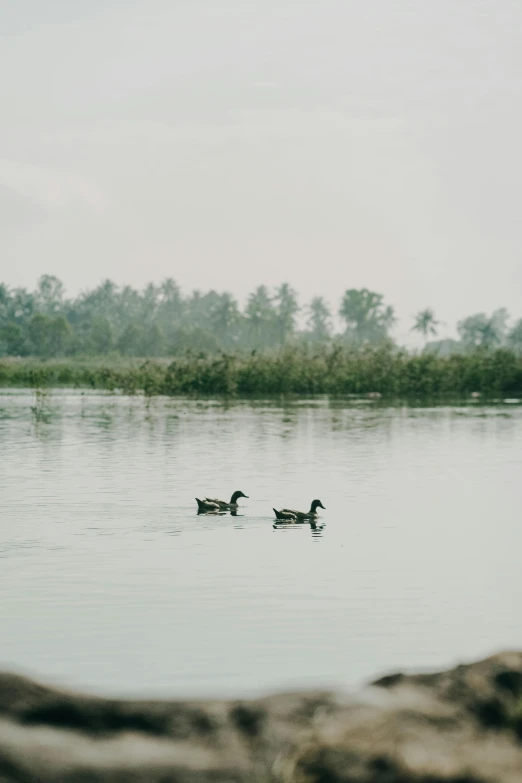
x: 459, y: 726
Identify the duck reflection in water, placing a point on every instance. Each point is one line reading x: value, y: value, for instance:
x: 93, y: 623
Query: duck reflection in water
x: 316, y: 528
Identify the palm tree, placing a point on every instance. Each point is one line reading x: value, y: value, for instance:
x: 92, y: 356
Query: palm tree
x: 260, y: 316
x: 286, y: 311
x: 170, y: 305
x: 426, y: 323
x: 366, y: 316
x: 49, y: 294
x: 479, y: 330
x: 319, y: 316
x: 515, y: 337
x: 494, y: 331
x: 224, y: 316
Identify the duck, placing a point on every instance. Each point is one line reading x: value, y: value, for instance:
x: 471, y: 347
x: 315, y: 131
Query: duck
x: 289, y: 515
x: 213, y: 505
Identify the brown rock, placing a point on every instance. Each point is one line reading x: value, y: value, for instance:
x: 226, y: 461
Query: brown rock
x: 459, y: 726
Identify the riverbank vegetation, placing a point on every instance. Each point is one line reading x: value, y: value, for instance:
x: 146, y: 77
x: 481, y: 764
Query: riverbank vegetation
x: 158, y: 341
x: 370, y: 370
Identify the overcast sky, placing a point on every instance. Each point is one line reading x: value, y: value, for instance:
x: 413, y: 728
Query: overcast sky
x: 227, y: 143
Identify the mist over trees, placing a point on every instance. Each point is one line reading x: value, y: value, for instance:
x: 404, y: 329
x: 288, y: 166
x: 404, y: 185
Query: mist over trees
x: 161, y: 321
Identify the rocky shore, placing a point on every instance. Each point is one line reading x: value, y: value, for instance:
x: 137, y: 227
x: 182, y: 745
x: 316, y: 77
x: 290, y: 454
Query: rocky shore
x: 463, y: 725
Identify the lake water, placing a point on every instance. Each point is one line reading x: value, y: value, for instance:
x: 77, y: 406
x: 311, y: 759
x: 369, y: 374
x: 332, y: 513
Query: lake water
x: 110, y: 581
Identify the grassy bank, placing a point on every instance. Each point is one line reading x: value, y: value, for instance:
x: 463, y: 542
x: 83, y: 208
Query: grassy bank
x: 334, y: 371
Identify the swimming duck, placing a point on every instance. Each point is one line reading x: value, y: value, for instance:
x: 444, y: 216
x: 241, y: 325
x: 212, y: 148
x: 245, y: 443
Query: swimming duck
x: 289, y: 515
x: 211, y: 505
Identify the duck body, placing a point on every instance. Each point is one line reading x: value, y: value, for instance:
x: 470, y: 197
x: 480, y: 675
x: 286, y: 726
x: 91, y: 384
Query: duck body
x: 213, y: 505
x: 291, y: 515
x: 286, y: 515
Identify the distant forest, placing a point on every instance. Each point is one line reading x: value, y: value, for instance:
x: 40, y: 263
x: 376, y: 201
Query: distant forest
x: 159, y: 321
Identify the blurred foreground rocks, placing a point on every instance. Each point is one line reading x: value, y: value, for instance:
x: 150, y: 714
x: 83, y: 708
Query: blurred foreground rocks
x: 459, y: 726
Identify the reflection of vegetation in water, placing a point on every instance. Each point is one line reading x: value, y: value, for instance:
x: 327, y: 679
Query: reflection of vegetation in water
x: 39, y: 411
x: 373, y: 372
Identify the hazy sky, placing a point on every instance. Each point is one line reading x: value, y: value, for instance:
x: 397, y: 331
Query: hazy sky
x: 228, y: 143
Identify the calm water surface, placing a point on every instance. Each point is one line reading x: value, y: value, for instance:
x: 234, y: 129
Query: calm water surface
x: 110, y: 581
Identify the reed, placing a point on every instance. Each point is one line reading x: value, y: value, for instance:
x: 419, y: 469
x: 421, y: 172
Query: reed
x: 334, y: 370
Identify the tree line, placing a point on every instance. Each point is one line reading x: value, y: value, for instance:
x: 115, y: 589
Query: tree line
x: 160, y: 321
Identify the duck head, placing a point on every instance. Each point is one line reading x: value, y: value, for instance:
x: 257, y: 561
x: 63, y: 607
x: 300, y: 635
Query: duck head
x: 237, y: 494
x: 315, y: 505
